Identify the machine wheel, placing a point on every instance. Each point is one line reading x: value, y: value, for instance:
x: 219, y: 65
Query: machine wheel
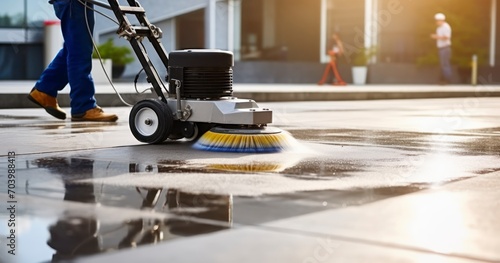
x: 203, y: 128
x: 151, y: 121
x: 184, y: 129
x: 191, y: 132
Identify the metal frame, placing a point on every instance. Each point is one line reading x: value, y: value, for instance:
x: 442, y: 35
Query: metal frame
x: 135, y: 35
x: 224, y: 111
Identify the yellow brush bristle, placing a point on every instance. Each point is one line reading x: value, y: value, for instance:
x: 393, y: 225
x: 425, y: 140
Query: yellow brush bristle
x: 246, y: 143
x: 252, y: 167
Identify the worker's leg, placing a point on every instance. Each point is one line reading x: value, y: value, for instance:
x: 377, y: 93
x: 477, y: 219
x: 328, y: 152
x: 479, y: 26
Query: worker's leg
x: 55, y: 77
x: 338, y: 78
x: 445, y: 58
x: 325, y: 74
x: 79, y: 47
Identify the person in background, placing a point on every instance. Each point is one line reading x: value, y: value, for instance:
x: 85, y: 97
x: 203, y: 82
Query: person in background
x: 335, y: 52
x: 443, y: 41
x: 71, y: 65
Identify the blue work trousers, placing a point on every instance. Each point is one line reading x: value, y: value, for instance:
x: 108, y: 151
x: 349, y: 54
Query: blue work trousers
x: 73, y: 63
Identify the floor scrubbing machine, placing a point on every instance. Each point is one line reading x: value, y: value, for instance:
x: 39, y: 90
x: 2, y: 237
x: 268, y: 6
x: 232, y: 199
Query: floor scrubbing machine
x: 199, y: 98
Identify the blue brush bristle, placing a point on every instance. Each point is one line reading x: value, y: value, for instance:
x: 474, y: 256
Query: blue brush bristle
x: 213, y: 148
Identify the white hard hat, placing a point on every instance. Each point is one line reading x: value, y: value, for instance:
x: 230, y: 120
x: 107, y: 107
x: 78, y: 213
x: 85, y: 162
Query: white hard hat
x: 440, y: 16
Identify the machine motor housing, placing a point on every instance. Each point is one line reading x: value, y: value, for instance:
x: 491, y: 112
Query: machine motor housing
x: 203, y: 73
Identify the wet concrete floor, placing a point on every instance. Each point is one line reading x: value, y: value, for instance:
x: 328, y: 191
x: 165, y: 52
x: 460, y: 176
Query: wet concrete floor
x: 360, y: 176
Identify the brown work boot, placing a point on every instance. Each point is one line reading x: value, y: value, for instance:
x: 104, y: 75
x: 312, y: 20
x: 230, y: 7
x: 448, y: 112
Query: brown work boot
x: 95, y: 114
x: 47, y: 102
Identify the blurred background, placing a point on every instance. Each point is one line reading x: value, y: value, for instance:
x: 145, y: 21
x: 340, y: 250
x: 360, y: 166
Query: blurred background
x: 285, y: 41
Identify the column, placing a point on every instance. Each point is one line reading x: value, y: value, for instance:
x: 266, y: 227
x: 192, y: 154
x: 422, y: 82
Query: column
x: 210, y: 24
x: 236, y: 29
x: 323, y: 28
x: 269, y: 30
x: 493, y: 32
x: 371, y: 25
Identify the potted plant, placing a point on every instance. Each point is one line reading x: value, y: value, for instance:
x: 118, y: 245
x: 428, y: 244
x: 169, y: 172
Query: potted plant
x: 360, y: 65
x: 120, y: 56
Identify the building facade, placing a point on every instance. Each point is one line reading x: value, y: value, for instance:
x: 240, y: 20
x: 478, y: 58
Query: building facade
x: 273, y: 38
x: 21, y: 38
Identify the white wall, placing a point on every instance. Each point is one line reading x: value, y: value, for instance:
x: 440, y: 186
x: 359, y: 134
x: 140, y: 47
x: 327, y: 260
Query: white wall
x: 162, y: 14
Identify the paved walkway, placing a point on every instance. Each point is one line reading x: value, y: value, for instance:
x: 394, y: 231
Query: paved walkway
x: 370, y: 181
x: 13, y: 93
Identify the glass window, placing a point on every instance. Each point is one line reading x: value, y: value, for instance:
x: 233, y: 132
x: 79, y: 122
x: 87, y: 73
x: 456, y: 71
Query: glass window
x: 30, y: 13
x: 38, y: 12
x: 21, y: 61
x: 346, y: 19
x: 12, y: 14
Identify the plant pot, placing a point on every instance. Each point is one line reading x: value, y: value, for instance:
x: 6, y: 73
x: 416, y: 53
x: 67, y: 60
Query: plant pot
x: 98, y: 73
x: 359, y: 75
x: 118, y: 70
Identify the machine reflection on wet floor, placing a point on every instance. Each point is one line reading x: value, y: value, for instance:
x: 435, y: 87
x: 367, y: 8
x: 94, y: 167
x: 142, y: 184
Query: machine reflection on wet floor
x: 73, y: 234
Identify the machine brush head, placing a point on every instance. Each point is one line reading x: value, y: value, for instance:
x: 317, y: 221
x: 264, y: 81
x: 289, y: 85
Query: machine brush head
x: 243, y: 140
